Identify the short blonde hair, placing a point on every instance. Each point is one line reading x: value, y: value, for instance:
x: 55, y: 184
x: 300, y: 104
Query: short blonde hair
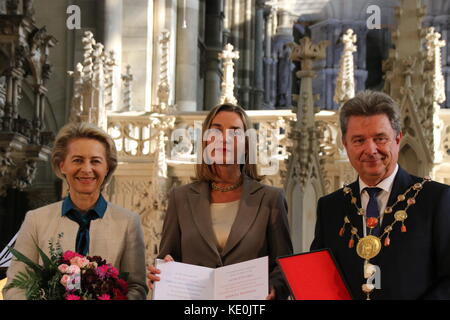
x: 204, y: 171
x: 84, y: 130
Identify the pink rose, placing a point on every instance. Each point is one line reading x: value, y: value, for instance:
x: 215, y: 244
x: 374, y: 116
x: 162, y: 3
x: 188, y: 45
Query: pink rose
x: 84, y: 262
x: 79, y: 261
x: 73, y: 269
x: 73, y: 297
x: 65, y: 278
x: 104, y: 297
x: 63, y: 268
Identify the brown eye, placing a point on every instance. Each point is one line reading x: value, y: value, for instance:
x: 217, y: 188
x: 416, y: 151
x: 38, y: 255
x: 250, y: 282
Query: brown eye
x: 381, y: 140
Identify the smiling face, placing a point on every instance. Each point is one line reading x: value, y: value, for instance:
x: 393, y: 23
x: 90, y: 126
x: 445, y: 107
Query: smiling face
x: 85, y: 166
x: 372, y: 147
x: 226, y: 143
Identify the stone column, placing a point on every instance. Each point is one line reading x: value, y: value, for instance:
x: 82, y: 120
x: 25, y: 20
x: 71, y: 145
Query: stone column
x: 259, y: 53
x: 237, y: 21
x: 305, y: 180
x: 325, y: 82
x: 247, y: 55
x: 285, y: 23
x: 282, y: 77
x: 187, y: 57
x: 213, y: 41
x: 268, y: 60
x: 165, y: 20
x: 442, y: 24
x: 111, y: 34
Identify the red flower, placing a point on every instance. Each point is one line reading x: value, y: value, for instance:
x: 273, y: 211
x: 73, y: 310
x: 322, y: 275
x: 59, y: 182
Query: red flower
x: 118, y: 295
x: 113, y: 272
x: 123, y: 285
x: 102, y: 271
x: 70, y: 254
x: 104, y: 297
x: 72, y: 297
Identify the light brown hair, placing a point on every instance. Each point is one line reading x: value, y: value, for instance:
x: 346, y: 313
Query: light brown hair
x: 206, y: 172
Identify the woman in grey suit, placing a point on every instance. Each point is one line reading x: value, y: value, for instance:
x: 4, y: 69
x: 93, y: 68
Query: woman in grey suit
x: 86, y: 157
x: 227, y: 216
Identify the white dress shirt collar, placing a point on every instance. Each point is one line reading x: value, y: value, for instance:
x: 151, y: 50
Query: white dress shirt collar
x: 385, y: 184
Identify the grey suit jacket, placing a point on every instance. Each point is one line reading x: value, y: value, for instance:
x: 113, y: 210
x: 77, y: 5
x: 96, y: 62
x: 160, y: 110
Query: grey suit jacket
x: 260, y: 229
x: 117, y: 238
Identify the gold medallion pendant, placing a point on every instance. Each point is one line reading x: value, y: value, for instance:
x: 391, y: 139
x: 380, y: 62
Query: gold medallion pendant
x: 368, y: 247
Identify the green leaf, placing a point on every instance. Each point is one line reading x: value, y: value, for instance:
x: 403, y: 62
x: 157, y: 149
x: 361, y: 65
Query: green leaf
x: 48, y: 264
x: 124, y: 275
x: 28, y: 281
x: 19, y: 256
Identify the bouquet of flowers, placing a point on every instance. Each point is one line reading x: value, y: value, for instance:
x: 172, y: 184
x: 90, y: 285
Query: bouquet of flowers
x: 69, y: 276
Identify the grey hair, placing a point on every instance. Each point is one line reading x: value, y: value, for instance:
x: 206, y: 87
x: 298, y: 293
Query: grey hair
x: 369, y: 103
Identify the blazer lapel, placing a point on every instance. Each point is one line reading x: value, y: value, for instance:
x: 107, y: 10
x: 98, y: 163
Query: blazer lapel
x: 101, y: 239
x: 199, y: 203
x: 69, y: 229
x: 247, y: 212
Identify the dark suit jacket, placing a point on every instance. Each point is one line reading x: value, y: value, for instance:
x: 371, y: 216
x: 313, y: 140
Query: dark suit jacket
x: 416, y: 265
x: 260, y: 229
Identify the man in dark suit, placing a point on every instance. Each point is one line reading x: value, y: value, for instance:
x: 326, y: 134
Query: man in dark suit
x: 412, y: 250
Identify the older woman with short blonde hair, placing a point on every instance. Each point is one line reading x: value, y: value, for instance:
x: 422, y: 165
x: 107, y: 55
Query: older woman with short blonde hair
x: 85, y: 157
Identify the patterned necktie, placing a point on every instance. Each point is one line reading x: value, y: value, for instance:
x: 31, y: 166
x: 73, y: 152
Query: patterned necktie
x: 372, y: 209
x: 84, y: 222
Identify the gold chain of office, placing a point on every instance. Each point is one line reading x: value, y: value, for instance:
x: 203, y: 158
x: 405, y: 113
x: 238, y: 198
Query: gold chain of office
x: 370, y: 246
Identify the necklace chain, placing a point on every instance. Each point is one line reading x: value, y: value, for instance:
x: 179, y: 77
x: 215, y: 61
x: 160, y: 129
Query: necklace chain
x: 216, y: 187
x: 369, y: 246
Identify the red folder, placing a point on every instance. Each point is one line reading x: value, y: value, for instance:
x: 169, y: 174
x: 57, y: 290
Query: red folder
x: 314, y: 276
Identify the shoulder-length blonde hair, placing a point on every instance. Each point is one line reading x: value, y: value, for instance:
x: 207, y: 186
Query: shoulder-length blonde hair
x: 206, y: 172
x: 84, y: 130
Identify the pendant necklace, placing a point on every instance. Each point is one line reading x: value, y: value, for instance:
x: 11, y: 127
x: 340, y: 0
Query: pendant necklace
x: 370, y: 246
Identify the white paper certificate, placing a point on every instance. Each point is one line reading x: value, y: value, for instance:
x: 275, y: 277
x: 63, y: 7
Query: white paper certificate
x: 247, y: 280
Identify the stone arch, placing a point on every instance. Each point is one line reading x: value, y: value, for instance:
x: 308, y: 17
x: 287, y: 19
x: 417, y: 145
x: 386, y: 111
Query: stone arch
x: 408, y: 160
x: 411, y: 158
x: 302, y: 212
x: 294, y: 196
x: 309, y: 214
